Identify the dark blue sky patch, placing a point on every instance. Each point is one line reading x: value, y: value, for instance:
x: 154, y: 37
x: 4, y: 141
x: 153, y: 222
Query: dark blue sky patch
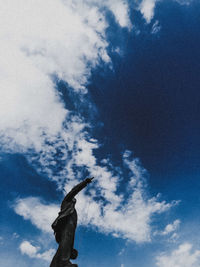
x: 151, y: 103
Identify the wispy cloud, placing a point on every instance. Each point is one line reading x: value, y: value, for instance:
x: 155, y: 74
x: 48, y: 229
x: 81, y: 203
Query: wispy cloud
x: 156, y: 27
x: 183, y: 256
x: 171, y: 227
x: 127, y: 214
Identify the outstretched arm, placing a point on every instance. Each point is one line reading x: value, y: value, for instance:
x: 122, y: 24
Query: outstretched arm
x: 77, y: 189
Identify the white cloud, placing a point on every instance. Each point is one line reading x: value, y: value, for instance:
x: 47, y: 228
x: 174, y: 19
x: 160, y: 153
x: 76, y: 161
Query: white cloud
x: 39, y: 40
x: 183, y: 256
x: 147, y: 7
x: 171, y: 227
x: 28, y: 249
x: 119, y: 8
x: 40, y: 214
x: 121, y: 11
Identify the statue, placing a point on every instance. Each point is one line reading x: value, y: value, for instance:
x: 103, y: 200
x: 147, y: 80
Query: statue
x: 64, y: 228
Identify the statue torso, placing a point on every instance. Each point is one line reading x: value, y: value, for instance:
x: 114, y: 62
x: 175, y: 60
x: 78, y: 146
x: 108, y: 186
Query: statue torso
x: 67, y: 209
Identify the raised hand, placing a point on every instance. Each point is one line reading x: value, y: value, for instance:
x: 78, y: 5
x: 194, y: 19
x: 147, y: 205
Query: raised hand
x: 89, y: 180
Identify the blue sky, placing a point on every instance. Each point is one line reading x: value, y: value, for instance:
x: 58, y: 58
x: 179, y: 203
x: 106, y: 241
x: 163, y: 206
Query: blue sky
x: 109, y: 90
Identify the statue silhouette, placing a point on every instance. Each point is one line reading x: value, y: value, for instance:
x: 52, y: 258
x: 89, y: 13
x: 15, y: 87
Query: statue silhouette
x: 64, y: 228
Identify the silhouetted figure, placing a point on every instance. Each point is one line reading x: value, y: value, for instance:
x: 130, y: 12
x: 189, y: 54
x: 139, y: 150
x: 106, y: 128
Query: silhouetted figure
x: 64, y: 228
